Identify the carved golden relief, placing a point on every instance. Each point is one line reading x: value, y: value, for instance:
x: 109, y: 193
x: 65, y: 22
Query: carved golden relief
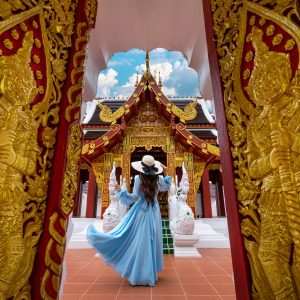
x: 106, y: 114
x: 199, y: 168
x: 263, y: 114
x: 18, y: 155
x: 187, y: 114
x: 70, y: 184
x: 38, y: 42
x: 55, y: 247
x: 76, y: 78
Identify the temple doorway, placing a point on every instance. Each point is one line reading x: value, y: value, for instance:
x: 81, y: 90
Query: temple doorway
x: 161, y: 156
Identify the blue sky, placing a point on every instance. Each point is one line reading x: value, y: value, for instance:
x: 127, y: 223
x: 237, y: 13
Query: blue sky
x: 119, y: 78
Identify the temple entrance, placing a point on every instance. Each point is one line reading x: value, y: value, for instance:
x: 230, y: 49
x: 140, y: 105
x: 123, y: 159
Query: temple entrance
x: 161, y: 156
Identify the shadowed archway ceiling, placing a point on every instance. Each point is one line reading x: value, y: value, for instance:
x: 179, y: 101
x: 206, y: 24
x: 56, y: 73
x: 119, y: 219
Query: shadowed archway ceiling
x: 176, y: 25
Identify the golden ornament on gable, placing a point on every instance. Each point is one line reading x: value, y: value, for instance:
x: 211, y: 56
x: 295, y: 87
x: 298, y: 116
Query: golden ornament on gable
x: 8, y: 44
x: 277, y: 39
x: 246, y: 74
x: 35, y: 25
x: 39, y: 74
x: 262, y: 21
x: 252, y: 20
x: 23, y: 27
x: 15, y: 35
x: 270, y: 30
x: 249, y: 56
x: 248, y: 38
x: 289, y: 45
x: 36, y: 59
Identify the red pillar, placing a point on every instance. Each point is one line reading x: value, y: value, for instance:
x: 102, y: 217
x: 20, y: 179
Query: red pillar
x: 240, y: 263
x: 220, y: 196
x: 206, y: 194
x: 90, y: 206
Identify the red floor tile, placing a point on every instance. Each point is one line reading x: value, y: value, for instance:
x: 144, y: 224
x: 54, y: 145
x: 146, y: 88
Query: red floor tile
x: 199, y: 289
x: 206, y: 297
x: 76, y: 288
x: 228, y: 297
x: 98, y: 297
x: 214, y: 271
x: 169, y: 278
x: 104, y: 288
x: 219, y: 279
x: 71, y: 297
x: 128, y: 289
x: 167, y: 289
x: 133, y: 297
x: 83, y: 278
x: 164, y: 297
x: 109, y: 278
x: 192, y: 278
x: 224, y: 288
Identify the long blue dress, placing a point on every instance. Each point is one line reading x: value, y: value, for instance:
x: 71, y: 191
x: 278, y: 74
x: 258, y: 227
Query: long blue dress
x: 134, y: 247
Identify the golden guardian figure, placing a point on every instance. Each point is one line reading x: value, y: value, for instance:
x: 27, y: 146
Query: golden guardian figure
x: 273, y: 154
x: 18, y: 152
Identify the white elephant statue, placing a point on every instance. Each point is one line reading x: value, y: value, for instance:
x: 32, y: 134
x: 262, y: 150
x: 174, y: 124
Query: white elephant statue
x: 184, y: 221
x: 172, y: 201
x: 116, y: 210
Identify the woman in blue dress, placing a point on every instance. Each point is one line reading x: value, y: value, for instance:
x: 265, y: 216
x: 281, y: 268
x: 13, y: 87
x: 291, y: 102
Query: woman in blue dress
x: 134, y: 247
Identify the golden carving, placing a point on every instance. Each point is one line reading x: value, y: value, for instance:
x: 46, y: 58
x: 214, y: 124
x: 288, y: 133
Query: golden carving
x: 149, y: 143
x: 18, y: 154
x: 147, y: 131
x: 51, y: 21
x: 198, y: 172
x: 263, y: 133
x: 91, y: 11
x: 55, y: 247
x: 76, y: 73
x: 106, y: 114
x: 289, y: 45
x: 70, y: 184
x: 98, y: 171
x: 187, y: 114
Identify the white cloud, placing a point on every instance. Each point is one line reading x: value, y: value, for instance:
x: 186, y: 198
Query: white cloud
x: 177, y: 78
x: 106, y: 82
x: 171, y: 92
x: 131, y: 81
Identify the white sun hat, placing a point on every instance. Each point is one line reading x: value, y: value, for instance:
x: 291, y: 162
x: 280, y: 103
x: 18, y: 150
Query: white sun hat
x: 148, y: 166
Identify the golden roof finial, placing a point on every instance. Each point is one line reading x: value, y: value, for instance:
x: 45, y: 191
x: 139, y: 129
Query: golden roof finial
x: 137, y: 79
x: 147, y: 73
x: 159, y: 80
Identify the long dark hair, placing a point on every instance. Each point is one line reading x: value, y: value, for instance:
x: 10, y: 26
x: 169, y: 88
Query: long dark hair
x: 149, y: 186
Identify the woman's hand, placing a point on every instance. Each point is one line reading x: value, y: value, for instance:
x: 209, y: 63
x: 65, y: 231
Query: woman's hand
x: 117, y: 188
x: 164, y: 169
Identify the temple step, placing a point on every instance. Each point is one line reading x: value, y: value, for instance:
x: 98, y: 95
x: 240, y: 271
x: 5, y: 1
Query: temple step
x: 168, y: 246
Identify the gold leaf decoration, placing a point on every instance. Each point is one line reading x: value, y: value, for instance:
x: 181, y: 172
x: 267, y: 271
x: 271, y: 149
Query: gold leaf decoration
x: 277, y: 39
x: 70, y: 185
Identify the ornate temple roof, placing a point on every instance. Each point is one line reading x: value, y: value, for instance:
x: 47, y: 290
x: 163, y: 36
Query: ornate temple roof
x: 114, y: 104
x: 188, y: 120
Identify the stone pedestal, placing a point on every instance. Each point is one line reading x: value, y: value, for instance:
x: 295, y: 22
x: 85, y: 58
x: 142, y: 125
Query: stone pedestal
x: 184, y: 245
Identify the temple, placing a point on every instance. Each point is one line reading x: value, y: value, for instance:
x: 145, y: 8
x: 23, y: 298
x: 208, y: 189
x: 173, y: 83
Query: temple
x: 174, y: 131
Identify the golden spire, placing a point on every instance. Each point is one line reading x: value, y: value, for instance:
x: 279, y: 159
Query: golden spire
x: 147, y: 73
x: 137, y: 79
x: 159, y: 80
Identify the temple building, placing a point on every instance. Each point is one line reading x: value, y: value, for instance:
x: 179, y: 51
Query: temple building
x: 174, y: 131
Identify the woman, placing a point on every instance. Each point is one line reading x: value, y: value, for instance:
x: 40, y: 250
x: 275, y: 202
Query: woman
x: 134, y: 246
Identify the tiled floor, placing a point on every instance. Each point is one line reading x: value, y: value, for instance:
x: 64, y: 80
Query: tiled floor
x: 209, y: 277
